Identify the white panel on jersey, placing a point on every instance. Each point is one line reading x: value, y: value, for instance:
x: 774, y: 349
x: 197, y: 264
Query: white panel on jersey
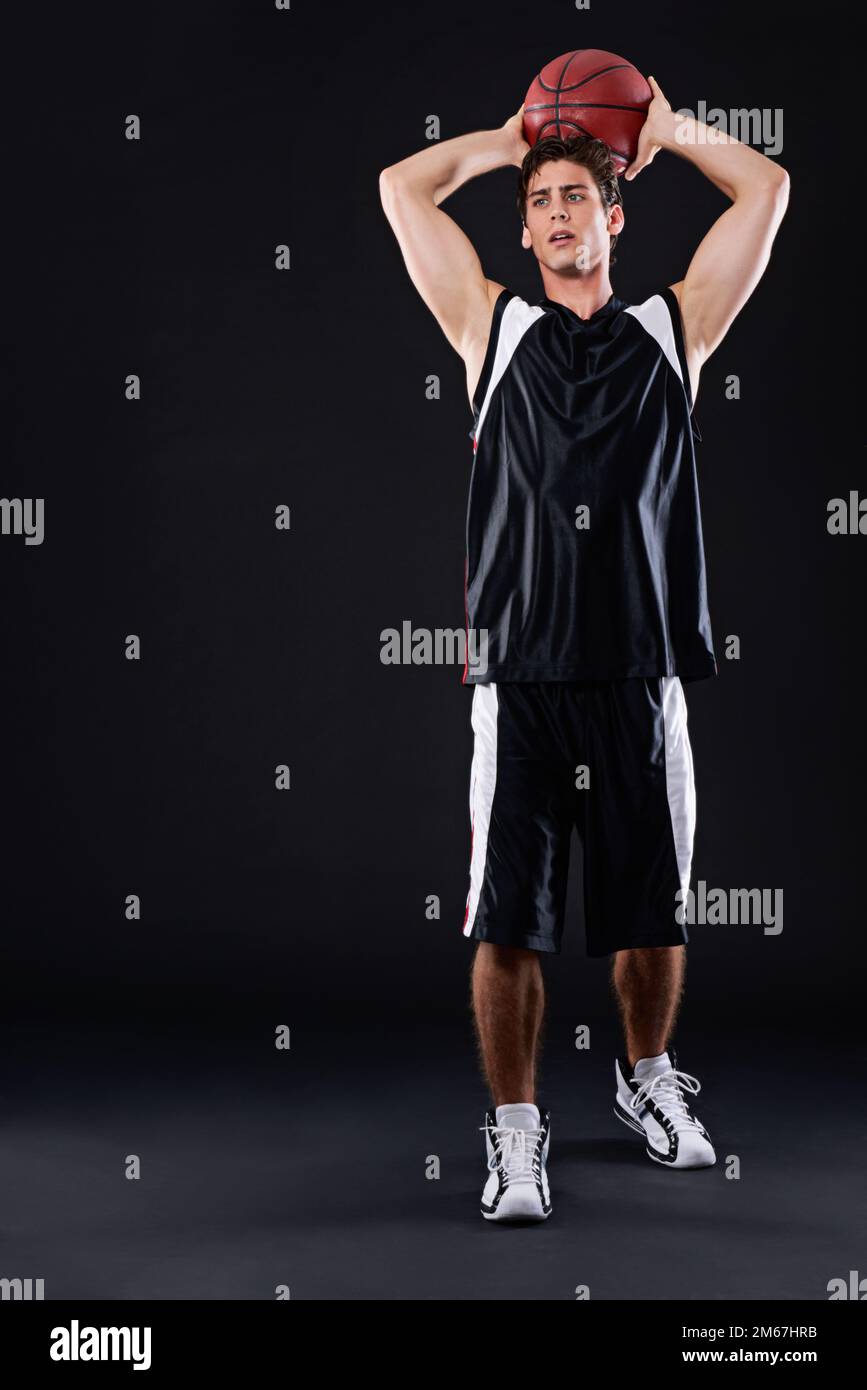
x: 483, y: 781
x: 654, y: 317
x: 679, y: 776
x: 516, y: 318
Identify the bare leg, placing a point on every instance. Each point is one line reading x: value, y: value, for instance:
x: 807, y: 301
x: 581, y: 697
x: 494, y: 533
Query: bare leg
x: 648, y: 984
x: 508, y: 999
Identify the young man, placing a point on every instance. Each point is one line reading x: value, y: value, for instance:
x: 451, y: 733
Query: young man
x: 585, y: 568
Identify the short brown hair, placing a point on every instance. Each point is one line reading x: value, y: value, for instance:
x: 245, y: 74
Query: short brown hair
x: 595, y: 155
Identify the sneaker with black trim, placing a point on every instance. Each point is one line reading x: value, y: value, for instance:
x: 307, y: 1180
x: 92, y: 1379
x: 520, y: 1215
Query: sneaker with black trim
x: 651, y: 1100
x: 517, y: 1148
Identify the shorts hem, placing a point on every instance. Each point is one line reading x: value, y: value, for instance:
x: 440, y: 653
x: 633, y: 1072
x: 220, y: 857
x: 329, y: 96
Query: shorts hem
x: 528, y: 942
x: 609, y: 950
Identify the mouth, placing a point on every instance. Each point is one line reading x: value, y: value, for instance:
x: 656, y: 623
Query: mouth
x: 556, y: 237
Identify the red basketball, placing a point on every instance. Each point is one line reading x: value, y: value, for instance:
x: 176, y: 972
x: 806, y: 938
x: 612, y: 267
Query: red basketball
x: 589, y: 92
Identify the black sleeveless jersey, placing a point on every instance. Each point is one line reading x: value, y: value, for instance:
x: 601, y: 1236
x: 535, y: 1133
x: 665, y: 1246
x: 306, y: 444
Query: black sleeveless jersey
x: 585, y: 558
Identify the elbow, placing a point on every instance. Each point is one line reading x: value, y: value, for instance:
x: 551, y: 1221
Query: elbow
x: 386, y: 179
x: 769, y: 184
x: 781, y: 191
x: 771, y: 189
x: 389, y: 183
x: 779, y: 184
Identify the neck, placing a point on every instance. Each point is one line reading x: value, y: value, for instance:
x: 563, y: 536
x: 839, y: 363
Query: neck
x: 582, y: 291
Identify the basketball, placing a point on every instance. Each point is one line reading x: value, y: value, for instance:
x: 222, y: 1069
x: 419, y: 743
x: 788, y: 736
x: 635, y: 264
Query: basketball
x: 589, y: 92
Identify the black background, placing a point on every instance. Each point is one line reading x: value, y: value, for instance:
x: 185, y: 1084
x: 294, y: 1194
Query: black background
x: 307, y: 388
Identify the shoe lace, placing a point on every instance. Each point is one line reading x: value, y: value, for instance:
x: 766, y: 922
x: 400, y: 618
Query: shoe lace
x: 666, y: 1091
x: 516, y: 1150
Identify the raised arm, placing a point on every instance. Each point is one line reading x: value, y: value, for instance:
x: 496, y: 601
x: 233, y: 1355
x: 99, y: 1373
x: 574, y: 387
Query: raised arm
x: 440, y: 258
x: 732, y: 257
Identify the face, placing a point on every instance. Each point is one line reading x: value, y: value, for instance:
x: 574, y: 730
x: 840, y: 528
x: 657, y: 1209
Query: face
x: 563, y: 202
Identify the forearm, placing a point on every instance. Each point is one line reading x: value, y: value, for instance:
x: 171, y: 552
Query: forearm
x: 446, y: 165
x: 735, y: 168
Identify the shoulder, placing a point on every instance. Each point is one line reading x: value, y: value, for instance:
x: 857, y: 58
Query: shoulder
x: 660, y: 317
x: 490, y: 353
x: 501, y: 297
x: 658, y: 314
x: 665, y: 299
x: 495, y: 289
x: 509, y: 314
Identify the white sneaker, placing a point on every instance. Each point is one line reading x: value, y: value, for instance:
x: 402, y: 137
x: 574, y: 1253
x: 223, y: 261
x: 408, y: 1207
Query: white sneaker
x: 517, y: 1148
x: 653, y: 1104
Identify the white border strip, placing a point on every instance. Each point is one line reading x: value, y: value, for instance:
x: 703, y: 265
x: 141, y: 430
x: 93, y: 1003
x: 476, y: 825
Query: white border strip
x: 516, y: 318
x: 483, y: 782
x: 655, y: 319
x: 679, y: 775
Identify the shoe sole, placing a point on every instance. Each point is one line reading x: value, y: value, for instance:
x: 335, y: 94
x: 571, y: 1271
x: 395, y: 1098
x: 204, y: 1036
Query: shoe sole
x: 539, y: 1215
x: 639, y: 1129
x: 505, y: 1220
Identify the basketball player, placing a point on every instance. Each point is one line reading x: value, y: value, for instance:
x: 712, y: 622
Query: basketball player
x: 585, y: 568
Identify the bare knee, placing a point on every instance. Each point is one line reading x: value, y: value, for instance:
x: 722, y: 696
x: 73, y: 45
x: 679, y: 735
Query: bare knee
x: 512, y: 960
x: 655, y: 959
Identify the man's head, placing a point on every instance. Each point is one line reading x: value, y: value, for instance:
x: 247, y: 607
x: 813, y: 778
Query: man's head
x: 570, y: 185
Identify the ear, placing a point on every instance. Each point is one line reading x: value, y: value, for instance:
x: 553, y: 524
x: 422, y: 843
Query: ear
x: 615, y: 219
x: 526, y: 239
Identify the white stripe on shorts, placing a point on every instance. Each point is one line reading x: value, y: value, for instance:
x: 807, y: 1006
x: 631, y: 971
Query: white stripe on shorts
x: 483, y: 780
x: 679, y: 775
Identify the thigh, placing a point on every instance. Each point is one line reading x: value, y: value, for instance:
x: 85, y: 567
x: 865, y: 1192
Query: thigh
x: 637, y: 818
x: 521, y: 815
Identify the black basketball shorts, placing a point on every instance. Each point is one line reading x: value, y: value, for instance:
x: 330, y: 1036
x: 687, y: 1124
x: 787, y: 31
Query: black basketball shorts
x: 611, y: 758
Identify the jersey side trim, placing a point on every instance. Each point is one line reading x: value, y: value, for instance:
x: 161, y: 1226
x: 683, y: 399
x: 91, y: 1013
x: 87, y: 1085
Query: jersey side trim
x: 512, y: 317
x: 654, y: 315
x: 670, y: 298
x: 482, y: 384
x: 660, y: 317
